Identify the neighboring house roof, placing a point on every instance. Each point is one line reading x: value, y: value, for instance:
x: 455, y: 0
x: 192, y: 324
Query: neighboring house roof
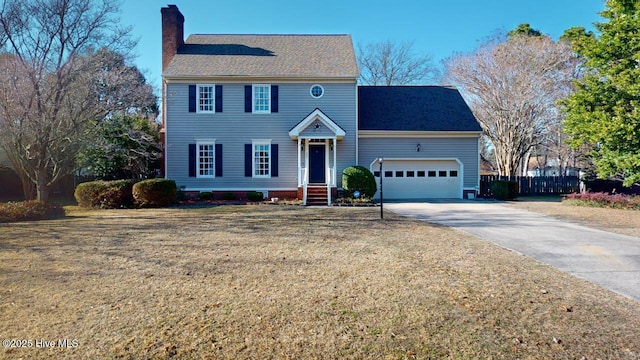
x: 414, y: 108
x: 323, y: 56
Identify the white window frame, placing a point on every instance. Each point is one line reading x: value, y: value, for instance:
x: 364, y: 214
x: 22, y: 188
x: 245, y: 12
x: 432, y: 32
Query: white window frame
x: 254, y: 99
x: 212, y: 168
x: 311, y: 91
x: 255, y: 143
x: 199, y: 106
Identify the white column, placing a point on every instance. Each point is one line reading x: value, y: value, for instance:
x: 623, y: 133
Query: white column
x: 299, y: 164
x: 335, y: 160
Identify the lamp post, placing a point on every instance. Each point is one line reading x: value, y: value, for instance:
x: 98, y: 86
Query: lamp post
x: 381, y: 199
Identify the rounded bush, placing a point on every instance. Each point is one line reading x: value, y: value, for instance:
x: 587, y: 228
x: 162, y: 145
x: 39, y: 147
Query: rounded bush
x: 105, y: 194
x: 155, y: 193
x: 358, y: 178
x: 505, y: 190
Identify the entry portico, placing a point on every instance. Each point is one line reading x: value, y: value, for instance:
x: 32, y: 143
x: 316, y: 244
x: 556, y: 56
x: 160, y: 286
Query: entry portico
x: 317, y: 136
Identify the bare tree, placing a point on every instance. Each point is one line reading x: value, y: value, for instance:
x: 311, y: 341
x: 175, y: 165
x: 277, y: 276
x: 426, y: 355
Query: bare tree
x: 513, y: 86
x: 55, y: 83
x: 388, y: 63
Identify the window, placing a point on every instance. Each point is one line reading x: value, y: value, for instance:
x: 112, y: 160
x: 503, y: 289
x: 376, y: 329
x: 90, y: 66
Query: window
x: 261, y: 159
x: 431, y: 173
x: 261, y: 99
x: 388, y: 174
x: 453, y: 173
x: 376, y: 173
x: 421, y: 173
x: 399, y: 173
x: 410, y: 173
x: 317, y: 91
x: 205, y: 160
x: 206, y: 98
x: 442, y: 173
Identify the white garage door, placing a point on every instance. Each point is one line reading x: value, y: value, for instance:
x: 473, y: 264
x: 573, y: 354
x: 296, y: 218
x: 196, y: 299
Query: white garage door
x: 421, y: 179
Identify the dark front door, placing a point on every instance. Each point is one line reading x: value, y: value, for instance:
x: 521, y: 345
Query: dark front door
x: 317, y: 166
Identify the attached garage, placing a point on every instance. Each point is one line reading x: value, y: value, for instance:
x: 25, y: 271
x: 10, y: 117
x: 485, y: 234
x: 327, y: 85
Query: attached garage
x: 421, y: 179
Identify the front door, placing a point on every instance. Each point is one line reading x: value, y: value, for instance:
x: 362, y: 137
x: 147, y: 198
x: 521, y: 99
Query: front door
x: 317, y: 164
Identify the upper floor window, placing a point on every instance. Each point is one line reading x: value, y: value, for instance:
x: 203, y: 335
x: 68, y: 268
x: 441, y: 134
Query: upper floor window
x: 316, y: 91
x: 206, y: 98
x: 261, y: 99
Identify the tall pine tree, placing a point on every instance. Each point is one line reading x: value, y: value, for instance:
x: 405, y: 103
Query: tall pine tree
x: 604, y: 112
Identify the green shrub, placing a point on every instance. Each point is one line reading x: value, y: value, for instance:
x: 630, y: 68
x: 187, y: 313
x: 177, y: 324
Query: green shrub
x: 255, y: 196
x: 155, y: 193
x: 359, y: 178
x: 29, y: 210
x: 205, y: 196
x: 105, y: 194
x: 505, y: 190
x: 228, y: 196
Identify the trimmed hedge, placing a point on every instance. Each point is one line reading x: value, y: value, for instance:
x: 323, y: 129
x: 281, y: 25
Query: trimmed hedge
x: 29, y: 210
x: 255, y: 196
x: 155, y: 193
x: 205, y: 196
x: 359, y: 178
x: 105, y: 194
x: 601, y: 199
x: 505, y: 190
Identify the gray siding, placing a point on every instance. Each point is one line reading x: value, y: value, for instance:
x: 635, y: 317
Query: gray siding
x: 464, y: 149
x: 233, y: 128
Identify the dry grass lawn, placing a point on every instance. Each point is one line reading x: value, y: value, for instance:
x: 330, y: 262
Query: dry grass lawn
x: 626, y: 222
x: 286, y: 282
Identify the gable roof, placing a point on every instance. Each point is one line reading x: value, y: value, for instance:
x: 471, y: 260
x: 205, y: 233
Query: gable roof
x: 414, y: 108
x: 301, y: 56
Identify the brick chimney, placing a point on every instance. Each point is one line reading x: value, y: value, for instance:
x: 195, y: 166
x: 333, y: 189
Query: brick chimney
x: 172, y: 33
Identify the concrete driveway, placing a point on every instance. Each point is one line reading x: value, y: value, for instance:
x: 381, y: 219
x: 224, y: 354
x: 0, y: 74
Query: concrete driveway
x: 609, y: 260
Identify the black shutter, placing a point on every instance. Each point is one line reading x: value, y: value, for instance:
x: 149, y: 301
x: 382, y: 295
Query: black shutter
x: 218, y: 98
x: 218, y: 160
x: 192, y: 98
x: 274, y: 98
x: 274, y: 160
x: 248, y: 159
x: 192, y: 160
x: 247, y: 98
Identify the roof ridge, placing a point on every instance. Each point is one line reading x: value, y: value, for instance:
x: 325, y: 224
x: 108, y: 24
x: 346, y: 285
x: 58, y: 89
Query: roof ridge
x: 342, y: 34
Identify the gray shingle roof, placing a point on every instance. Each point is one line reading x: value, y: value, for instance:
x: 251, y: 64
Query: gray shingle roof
x: 414, y: 108
x: 265, y: 56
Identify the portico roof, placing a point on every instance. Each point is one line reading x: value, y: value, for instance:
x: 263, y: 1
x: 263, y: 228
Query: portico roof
x: 315, y: 120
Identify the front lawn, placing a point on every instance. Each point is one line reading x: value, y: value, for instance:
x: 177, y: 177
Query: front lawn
x: 264, y: 282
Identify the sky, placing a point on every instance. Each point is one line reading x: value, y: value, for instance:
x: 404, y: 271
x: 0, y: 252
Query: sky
x: 436, y: 27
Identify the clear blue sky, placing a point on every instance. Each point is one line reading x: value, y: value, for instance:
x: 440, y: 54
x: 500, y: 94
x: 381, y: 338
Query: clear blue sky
x: 438, y: 28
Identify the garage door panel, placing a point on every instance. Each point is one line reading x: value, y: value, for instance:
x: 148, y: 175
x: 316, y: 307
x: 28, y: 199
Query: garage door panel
x: 421, y: 179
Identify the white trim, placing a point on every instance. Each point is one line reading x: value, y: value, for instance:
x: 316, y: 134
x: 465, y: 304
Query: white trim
x: 189, y: 79
x: 414, y: 134
x: 317, y: 114
x: 253, y: 99
x: 207, y: 142
x: 357, y: 130
x: 213, y: 99
x: 311, y: 91
x: 253, y: 158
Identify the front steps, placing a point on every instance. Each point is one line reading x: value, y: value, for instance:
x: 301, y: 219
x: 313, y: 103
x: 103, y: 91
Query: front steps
x: 317, y: 195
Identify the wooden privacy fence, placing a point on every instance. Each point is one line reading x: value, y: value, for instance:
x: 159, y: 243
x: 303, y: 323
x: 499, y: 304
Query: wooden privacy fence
x: 533, y: 185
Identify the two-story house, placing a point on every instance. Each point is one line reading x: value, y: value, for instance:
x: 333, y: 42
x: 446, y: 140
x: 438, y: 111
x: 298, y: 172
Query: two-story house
x: 283, y: 114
